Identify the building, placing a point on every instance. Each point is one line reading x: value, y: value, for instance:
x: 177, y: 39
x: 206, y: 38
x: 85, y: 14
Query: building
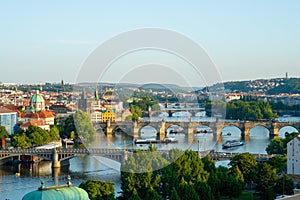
x: 66, y: 192
x: 108, y: 114
x: 37, y: 114
x: 37, y: 102
x: 293, y: 156
x: 96, y: 111
x: 9, y: 119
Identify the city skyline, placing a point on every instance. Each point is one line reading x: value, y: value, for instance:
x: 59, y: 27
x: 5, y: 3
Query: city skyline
x: 49, y: 42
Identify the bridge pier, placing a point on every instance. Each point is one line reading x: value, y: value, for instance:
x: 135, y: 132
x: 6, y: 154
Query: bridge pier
x: 162, y: 131
x: 274, y: 130
x: 190, y: 133
x: 55, y: 161
x: 135, y: 130
x: 217, y: 129
x: 55, y: 174
x: 170, y: 113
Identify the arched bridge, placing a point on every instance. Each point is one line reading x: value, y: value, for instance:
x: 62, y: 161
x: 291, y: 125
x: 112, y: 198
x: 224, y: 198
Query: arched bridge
x: 134, y: 128
x: 171, y: 111
x: 58, y: 156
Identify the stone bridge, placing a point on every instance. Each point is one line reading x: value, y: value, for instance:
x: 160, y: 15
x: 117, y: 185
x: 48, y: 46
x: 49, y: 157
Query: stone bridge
x: 134, y: 128
x: 59, y: 157
x: 171, y: 111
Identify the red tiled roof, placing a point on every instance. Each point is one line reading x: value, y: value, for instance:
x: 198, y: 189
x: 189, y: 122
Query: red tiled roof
x: 4, y: 109
x: 34, y: 123
x: 41, y: 114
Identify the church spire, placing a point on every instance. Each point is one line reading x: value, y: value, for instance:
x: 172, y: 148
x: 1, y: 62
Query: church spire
x: 96, y: 94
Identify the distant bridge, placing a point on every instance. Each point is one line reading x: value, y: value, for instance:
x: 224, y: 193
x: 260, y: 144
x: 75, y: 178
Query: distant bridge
x: 171, y: 111
x: 189, y: 127
x: 59, y: 156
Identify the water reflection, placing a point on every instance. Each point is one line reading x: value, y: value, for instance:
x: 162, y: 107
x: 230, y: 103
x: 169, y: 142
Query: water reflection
x: 91, y: 167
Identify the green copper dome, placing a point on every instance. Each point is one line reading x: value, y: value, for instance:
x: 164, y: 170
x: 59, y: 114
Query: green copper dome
x: 37, y: 98
x: 57, y: 193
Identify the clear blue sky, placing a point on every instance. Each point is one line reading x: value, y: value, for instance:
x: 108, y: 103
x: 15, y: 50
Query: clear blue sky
x: 47, y: 41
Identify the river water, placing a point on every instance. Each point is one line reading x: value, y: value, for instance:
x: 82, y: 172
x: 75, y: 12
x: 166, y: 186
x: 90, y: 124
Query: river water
x: 99, y: 168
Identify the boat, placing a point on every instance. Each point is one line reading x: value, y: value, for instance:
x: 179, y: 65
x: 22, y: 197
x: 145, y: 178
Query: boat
x: 154, y: 141
x: 175, y: 131
x: 232, y: 143
x: 170, y: 140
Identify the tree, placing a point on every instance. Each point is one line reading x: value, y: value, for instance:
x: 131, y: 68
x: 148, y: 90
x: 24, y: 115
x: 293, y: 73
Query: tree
x: 136, y: 112
x: 204, y: 191
x: 84, y: 125
x: 279, y: 145
x: 98, y: 189
x: 298, y: 185
x: 187, y: 192
x: 169, y: 181
x: 152, y: 195
x: 266, y: 180
x: 209, y: 164
x: 54, y: 132
x: 69, y: 126
x: 275, y: 146
x: 249, y: 110
x: 20, y: 140
x: 37, y: 135
x: 135, y: 196
x: 3, y: 132
x: 190, y: 168
x: 284, y: 185
x: 278, y: 162
x: 174, y: 195
x: 230, y: 185
x: 247, y: 164
x: 215, y: 184
x: 137, y: 174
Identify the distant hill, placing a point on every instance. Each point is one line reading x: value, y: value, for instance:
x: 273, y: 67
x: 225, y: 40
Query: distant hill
x: 263, y: 86
x: 292, y: 86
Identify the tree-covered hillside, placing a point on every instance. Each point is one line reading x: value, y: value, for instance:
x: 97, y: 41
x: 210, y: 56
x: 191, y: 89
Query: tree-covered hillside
x: 292, y: 86
x: 267, y: 86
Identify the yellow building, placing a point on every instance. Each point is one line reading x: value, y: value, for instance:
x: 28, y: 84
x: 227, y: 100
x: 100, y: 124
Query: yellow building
x: 108, y: 115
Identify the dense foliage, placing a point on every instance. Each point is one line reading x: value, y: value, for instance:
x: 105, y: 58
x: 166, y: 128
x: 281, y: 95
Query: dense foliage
x: 279, y: 145
x: 249, y: 110
x: 84, y: 126
x: 142, y: 105
x: 241, y: 110
x: 34, y: 136
x: 291, y: 86
x: 187, y: 177
x: 3, y: 132
x: 98, y: 190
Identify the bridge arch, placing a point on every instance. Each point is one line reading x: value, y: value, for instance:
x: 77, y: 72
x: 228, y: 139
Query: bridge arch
x: 148, y: 130
x: 286, y: 129
x: 259, y: 131
x: 170, y: 124
x: 174, y: 129
x: 231, y: 130
x: 203, y: 128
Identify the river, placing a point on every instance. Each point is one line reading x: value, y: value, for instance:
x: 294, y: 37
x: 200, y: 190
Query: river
x: 91, y: 167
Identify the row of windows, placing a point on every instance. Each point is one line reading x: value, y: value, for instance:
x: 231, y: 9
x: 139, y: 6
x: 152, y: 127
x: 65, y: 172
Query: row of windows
x: 9, y: 121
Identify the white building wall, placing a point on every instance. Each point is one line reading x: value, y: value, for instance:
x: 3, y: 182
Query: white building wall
x: 293, y: 156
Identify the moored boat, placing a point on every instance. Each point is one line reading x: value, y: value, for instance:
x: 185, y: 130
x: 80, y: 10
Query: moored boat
x: 154, y: 141
x: 232, y: 143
